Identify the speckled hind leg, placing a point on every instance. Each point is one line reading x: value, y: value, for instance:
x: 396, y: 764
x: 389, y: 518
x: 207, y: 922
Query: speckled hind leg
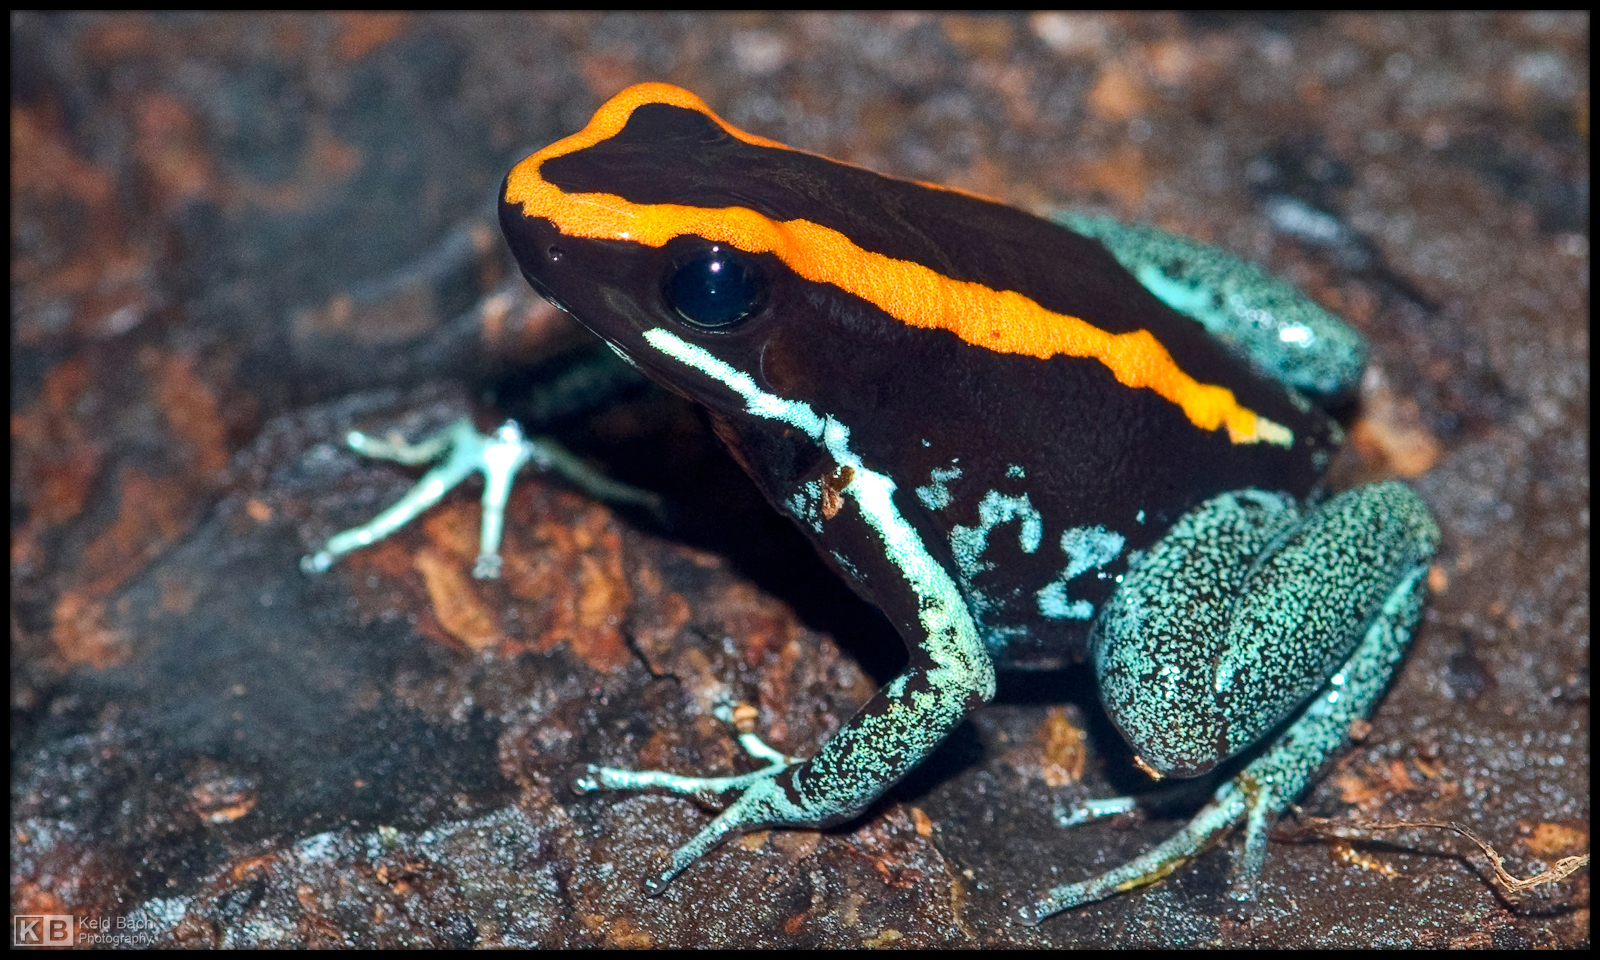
x: 1225, y: 619
x: 1266, y: 787
x: 463, y: 451
x: 1282, y: 332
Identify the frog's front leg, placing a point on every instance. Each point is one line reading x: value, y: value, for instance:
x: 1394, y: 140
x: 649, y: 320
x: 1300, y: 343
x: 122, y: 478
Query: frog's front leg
x: 949, y: 674
x: 457, y: 452
x: 1227, y: 627
x: 612, y: 778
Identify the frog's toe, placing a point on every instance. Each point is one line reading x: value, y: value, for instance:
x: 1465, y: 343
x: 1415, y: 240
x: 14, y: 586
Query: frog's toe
x: 588, y: 781
x: 1089, y: 810
x: 611, y: 778
x: 727, y: 711
x: 318, y: 562
x: 762, y: 804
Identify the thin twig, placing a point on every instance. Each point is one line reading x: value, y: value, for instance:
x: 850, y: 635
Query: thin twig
x: 1513, y: 886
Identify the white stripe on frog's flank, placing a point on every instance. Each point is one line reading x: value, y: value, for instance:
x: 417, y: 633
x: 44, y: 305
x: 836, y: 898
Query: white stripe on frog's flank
x: 936, y: 496
x: 951, y: 636
x: 1086, y: 548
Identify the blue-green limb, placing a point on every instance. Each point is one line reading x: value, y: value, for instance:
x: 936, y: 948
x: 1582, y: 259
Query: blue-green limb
x: 851, y: 770
x: 1090, y: 810
x: 950, y: 670
x: 734, y: 819
x: 611, y: 778
x: 462, y: 451
x: 1263, y: 318
x: 1267, y: 785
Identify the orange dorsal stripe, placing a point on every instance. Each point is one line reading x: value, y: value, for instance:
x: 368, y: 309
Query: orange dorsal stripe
x: 1001, y: 320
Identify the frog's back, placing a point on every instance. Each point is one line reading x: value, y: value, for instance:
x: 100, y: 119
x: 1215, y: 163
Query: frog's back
x: 1041, y: 414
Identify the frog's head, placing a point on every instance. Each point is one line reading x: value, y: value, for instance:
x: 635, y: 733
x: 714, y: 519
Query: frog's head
x: 681, y: 240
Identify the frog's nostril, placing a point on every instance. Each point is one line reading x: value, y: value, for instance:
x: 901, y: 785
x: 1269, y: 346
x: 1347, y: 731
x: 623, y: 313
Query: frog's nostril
x: 554, y: 253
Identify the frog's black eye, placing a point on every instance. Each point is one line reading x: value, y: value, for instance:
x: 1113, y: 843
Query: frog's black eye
x: 716, y: 288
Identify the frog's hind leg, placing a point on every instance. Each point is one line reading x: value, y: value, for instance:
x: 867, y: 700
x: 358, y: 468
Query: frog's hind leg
x: 1225, y: 621
x: 1283, y: 333
x: 1265, y: 788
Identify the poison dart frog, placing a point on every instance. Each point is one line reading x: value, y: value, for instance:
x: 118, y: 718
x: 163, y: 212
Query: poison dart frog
x: 1026, y: 441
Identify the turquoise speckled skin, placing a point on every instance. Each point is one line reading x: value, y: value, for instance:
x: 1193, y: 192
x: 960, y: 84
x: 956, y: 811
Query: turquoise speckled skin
x: 1026, y: 442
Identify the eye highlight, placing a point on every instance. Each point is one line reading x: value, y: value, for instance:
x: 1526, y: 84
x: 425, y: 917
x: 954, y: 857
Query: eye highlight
x: 716, y: 288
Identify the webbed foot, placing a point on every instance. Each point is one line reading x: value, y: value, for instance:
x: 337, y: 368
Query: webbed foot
x: 759, y: 803
x: 457, y: 452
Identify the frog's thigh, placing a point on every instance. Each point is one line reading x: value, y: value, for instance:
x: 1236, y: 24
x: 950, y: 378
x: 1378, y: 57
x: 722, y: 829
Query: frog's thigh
x: 1277, y: 328
x: 1243, y: 610
x: 1263, y: 789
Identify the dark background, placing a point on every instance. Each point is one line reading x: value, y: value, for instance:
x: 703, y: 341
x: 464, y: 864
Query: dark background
x: 234, y: 237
